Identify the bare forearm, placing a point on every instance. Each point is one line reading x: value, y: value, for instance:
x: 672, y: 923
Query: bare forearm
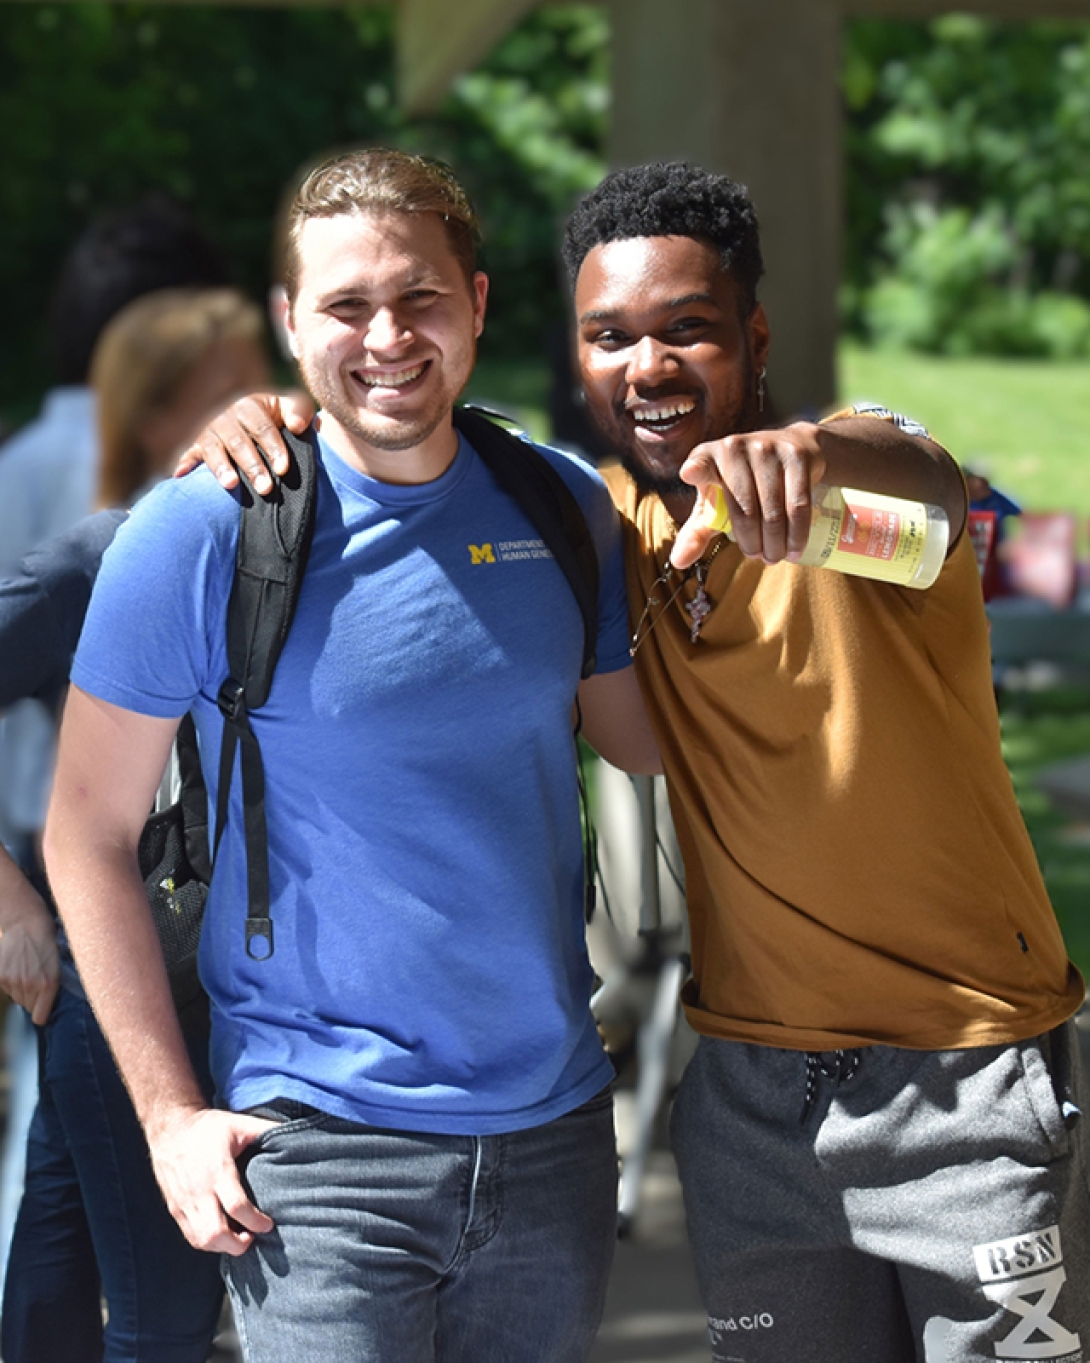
x: 615, y: 722
x: 109, y: 766
x: 193, y: 1147
x: 865, y: 452
x: 101, y: 898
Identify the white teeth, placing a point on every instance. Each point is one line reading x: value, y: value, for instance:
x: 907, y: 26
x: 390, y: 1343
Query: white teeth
x: 391, y: 380
x: 665, y: 412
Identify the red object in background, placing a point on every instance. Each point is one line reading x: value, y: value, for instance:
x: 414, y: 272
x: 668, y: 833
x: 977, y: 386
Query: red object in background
x: 982, y: 528
x: 1040, y: 562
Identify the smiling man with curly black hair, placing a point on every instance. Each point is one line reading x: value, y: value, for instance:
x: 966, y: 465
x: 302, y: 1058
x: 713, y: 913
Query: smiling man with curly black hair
x: 879, y: 1138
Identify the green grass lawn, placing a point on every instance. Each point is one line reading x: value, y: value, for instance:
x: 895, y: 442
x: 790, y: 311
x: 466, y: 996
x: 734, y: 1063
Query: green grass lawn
x: 1023, y: 423
x: 1045, y: 728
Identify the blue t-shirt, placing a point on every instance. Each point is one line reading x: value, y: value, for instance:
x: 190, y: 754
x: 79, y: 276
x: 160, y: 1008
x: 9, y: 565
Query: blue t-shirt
x: 430, y: 970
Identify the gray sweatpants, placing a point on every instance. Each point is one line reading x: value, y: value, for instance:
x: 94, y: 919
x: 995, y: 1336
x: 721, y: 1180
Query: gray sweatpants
x: 885, y: 1205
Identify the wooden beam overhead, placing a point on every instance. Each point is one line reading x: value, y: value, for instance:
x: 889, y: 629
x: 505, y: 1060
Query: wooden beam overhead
x: 225, y: 4
x: 437, y: 40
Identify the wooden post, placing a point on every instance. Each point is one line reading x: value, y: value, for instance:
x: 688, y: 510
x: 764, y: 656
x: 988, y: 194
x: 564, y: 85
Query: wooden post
x: 750, y: 88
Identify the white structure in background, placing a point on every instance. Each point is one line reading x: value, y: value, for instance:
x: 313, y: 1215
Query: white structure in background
x: 639, y: 946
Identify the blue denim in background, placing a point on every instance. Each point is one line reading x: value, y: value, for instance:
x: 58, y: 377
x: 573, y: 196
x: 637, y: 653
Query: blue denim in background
x: 93, y: 1223
x: 399, y: 1247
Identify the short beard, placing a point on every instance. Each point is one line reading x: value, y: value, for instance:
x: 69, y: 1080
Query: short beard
x: 397, y: 437
x: 401, y: 438
x: 649, y: 484
x: 747, y: 419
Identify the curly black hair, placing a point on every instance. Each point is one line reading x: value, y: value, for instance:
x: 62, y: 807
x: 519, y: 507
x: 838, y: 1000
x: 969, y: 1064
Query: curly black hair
x: 670, y: 199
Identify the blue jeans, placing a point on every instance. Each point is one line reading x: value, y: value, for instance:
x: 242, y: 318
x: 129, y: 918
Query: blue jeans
x: 93, y: 1223
x: 397, y: 1247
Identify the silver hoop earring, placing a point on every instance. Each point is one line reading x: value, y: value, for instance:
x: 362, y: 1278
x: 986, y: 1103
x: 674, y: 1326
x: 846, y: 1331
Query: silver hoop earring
x: 761, y: 389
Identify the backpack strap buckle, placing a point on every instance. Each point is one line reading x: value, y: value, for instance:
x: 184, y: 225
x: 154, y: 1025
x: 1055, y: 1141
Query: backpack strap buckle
x: 232, y: 700
x: 258, y: 931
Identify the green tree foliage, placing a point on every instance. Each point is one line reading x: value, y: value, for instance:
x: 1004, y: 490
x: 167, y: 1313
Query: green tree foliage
x: 526, y: 132
x: 969, y: 185
x: 219, y: 107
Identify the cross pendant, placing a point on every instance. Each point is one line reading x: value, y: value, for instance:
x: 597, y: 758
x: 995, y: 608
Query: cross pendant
x: 699, y: 608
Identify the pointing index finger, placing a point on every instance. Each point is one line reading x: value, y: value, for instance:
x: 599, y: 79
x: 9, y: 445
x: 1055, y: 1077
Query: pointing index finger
x: 708, y: 518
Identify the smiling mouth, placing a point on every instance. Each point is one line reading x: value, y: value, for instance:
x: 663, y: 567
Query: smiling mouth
x: 661, y: 417
x: 389, y: 378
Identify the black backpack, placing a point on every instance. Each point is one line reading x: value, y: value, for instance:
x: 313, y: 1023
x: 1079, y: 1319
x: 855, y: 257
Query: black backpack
x: 274, y: 541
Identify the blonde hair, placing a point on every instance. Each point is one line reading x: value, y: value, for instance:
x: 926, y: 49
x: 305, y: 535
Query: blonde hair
x: 379, y: 179
x: 143, y: 357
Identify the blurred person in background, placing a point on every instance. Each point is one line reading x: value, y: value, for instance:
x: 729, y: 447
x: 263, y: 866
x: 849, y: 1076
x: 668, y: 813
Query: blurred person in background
x: 48, y: 469
x: 92, y: 1223
x: 48, y: 476
x: 164, y: 365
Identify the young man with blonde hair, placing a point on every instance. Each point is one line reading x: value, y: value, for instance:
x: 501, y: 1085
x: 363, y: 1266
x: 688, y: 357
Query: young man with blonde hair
x: 412, y: 1158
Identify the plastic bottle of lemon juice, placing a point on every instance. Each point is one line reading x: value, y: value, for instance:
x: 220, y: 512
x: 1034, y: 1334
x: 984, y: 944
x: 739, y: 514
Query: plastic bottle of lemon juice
x: 866, y: 534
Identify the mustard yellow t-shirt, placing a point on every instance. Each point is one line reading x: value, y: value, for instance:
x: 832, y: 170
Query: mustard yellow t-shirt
x: 857, y: 869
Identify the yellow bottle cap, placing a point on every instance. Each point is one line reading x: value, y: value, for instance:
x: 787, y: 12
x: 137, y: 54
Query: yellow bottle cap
x: 716, y: 516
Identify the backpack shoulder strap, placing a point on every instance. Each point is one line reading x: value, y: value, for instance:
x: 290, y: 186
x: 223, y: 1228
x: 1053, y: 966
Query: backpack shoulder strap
x: 274, y: 539
x: 542, y: 494
x: 273, y: 545
x: 193, y: 799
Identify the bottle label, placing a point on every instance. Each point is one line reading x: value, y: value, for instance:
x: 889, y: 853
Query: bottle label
x: 867, y: 530
x: 887, y: 532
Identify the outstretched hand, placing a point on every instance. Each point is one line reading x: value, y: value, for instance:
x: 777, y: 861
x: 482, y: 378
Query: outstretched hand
x: 236, y: 438
x: 194, y: 1159
x: 766, y: 478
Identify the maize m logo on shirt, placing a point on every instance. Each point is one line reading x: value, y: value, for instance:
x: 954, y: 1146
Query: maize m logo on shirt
x: 1024, y: 1275
x: 507, y: 551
